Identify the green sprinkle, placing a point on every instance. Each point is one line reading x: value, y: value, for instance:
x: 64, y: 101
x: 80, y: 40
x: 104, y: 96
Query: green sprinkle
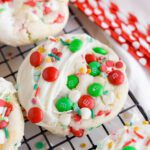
x: 8, y: 98
x: 76, y: 109
x: 35, y: 86
x: 92, y: 114
x: 6, y: 133
x: 90, y: 129
x: 100, y: 50
x: 40, y: 145
x: 53, y: 55
x: 2, y: 9
x: 64, y: 43
x: 106, y: 92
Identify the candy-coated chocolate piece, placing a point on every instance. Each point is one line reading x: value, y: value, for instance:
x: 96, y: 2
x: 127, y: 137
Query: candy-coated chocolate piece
x: 36, y: 59
x: 64, y: 104
x: 86, y: 101
x: 109, y: 63
x: 100, y: 50
x: 50, y: 74
x: 75, y: 45
x: 95, y: 68
x: 119, y: 64
x: 116, y: 77
x: 77, y: 133
x: 72, y: 81
x: 129, y: 148
x: 35, y: 115
x: 90, y: 58
x: 95, y: 89
x: 85, y: 113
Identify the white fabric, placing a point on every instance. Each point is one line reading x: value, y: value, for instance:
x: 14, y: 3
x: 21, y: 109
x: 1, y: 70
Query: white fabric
x: 139, y: 77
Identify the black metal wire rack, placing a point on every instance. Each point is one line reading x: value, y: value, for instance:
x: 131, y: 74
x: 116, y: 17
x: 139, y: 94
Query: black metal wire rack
x: 9, y: 64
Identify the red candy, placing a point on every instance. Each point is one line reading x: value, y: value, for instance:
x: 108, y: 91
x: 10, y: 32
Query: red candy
x: 86, y: 101
x: 47, y: 10
x: 103, y: 68
x: 3, y: 124
x: 35, y: 115
x: 76, y: 118
x: 36, y: 59
x: 116, y: 77
x: 90, y: 58
x: 50, y: 74
x: 77, y: 133
x: 119, y: 64
x: 109, y: 63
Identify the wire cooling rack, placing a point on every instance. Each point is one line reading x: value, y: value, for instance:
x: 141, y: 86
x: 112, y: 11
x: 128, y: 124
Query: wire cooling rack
x: 10, y: 60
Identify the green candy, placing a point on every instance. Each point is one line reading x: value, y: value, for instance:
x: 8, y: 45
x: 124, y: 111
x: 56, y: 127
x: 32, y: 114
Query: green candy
x: 129, y: 148
x: 72, y: 81
x: 95, y: 68
x: 39, y: 145
x: 75, y: 45
x: 95, y: 89
x: 100, y: 50
x: 64, y: 104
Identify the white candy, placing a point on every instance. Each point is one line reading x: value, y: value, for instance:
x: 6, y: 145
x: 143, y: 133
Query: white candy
x: 85, y: 113
x: 109, y: 98
x: 2, y: 137
x: 74, y: 95
x: 65, y: 119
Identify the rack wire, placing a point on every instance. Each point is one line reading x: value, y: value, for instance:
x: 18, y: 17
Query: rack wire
x: 10, y: 60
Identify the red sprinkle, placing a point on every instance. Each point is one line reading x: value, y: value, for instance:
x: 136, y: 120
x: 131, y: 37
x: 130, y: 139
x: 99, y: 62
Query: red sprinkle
x: 100, y: 113
x: 107, y: 112
x: 129, y: 142
x: 86, y: 101
x: 37, y: 92
x: 2, y: 103
x: 9, y: 109
x: 116, y: 77
x: 59, y: 19
x: 3, y: 124
x: 148, y: 143
x: 50, y: 74
x: 77, y: 133
x: 36, y: 59
x: 90, y: 58
x: 35, y: 115
x: 76, y: 118
x: 109, y: 63
x: 139, y: 135
x: 119, y: 64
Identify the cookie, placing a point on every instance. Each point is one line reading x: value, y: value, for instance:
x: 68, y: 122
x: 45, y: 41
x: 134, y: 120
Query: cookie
x: 11, y: 119
x: 28, y: 21
x: 135, y: 137
x: 72, y: 84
